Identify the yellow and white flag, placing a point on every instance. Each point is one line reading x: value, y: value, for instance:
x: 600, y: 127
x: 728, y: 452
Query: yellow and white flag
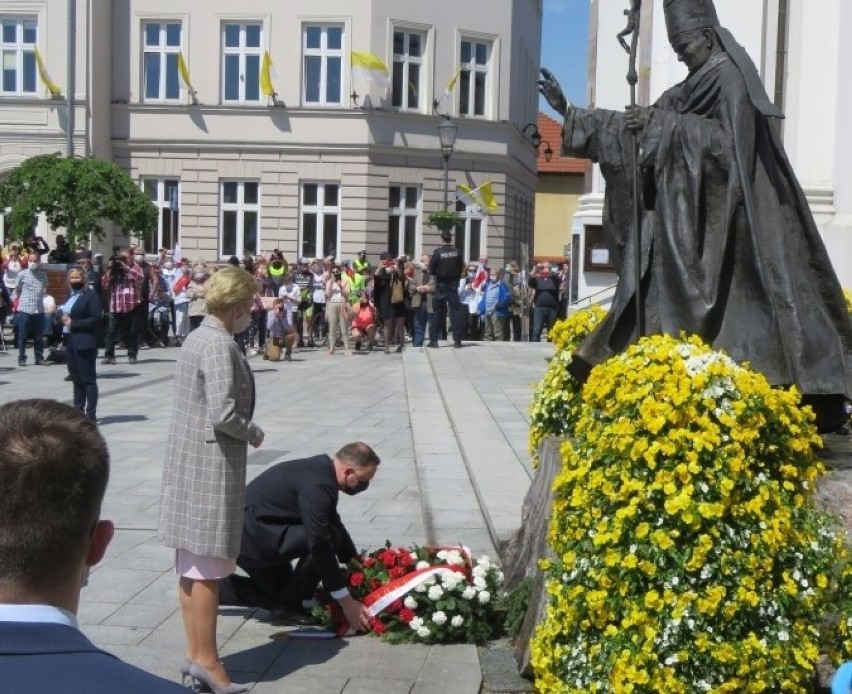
x: 481, y: 196
x: 369, y: 68
x: 266, y: 76
x: 451, y: 85
x: 184, y: 75
x: 51, y: 86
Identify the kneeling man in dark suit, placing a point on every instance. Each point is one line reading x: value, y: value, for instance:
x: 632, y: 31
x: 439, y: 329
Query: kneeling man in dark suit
x: 291, y: 515
x: 54, y: 466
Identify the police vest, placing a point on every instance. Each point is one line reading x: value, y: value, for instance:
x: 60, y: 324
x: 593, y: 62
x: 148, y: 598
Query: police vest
x: 446, y: 264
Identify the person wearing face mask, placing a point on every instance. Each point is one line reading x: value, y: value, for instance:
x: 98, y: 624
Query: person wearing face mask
x: 30, y: 288
x: 204, y: 474
x: 122, y: 281
x: 81, y: 321
x: 494, y: 306
x: 291, y: 515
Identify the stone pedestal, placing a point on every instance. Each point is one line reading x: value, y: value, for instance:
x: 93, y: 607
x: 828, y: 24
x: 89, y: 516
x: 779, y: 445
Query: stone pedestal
x: 529, y: 544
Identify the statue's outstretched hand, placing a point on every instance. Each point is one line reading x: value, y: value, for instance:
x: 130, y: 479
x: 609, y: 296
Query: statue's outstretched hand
x: 549, y: 88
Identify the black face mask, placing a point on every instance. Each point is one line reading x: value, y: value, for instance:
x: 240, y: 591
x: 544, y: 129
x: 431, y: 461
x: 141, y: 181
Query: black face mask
x: 77, y: 285
x: 357, y: 489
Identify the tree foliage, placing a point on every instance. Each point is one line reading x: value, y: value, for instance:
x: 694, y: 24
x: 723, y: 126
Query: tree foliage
x: 77, y: 194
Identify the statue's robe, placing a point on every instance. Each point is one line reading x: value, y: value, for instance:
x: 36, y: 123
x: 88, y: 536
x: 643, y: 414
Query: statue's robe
x: 729, y: 249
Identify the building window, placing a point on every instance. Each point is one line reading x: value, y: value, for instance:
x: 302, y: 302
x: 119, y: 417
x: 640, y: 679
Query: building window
x: 322, y: 48
x: 469, y: 237
x: 162, y: 43
x: 19, y: 37
x: 241, y: 56
x: 473, y: 80
x: 165, y: 194
x: 403, y: 216
x: 320, y: 233
x: 407, y: 65
x: 239, y: 222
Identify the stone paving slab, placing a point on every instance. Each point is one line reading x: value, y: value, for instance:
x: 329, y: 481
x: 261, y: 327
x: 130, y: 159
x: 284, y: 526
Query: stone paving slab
x: 424, y: 494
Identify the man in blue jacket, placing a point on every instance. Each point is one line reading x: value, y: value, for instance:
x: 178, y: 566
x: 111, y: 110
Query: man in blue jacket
x: 54, y: 467
x: 494, y: 306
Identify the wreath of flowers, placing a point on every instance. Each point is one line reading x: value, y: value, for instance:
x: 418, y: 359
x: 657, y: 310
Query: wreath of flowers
x: 424, y: 595
x: 688, y: 555
x: 556, y: 397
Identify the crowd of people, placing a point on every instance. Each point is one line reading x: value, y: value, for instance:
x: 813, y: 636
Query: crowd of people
x: 313, y: 303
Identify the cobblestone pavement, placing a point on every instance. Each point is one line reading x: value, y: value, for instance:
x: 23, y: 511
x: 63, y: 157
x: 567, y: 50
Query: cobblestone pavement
x: 451, y: 429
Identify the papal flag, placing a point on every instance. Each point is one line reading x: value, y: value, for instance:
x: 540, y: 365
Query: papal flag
x: 486, y: 194
x: 481, y: 196
x: 467, y: 195
x: 369, y: 68
x: 266, y: 76
x: 51, y: 86
x: 184, y: 75
x: 451, y: 85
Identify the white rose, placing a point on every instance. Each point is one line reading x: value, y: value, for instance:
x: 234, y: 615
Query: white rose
x: 479, y: 571
x: 484, y: 597
x: 416, y: 623
x: 413, y: 556
x: 410, y: 602
x: 436, y: 592
x: 422, y: 588
x: 479, y: 582
x: 450, y: 580
x: 422, y: 565
x: 469, y: 592
x: 423, y: 632
x: 485, y: 562
x: 439, y: 618
x: 442, y: 554
x: 457, y: 621
x: 455, y: 558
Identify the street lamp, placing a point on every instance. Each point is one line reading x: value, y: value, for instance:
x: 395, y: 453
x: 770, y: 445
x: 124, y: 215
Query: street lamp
x: 548, y: 151
x: 535, y: 136
x: 447, y: 136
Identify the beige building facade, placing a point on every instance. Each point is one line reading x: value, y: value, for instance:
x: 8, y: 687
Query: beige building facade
x: 334, y: 162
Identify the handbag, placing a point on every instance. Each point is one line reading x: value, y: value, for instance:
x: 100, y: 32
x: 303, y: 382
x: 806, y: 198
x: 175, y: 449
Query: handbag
x: 397, y: 295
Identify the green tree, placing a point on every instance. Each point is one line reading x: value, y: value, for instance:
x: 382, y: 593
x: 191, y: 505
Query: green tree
x: 77, y: 194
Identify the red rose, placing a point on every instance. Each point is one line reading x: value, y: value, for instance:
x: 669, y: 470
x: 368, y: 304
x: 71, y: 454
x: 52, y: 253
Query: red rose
x: 397, y: 572
x: 388, y: 558
x: 377, y: 626
x: 405, y: 559
x: 369, y: 562
x: 406, y: 615
x: 395, y: 606
x: 356, y: 579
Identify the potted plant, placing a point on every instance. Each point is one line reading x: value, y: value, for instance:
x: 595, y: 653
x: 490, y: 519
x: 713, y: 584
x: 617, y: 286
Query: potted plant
x: 443, y: 219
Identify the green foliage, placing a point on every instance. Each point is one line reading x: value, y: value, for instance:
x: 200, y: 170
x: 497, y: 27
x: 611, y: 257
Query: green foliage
x: 515, y: 605
x: 76, y: 194
x: 443, y: 219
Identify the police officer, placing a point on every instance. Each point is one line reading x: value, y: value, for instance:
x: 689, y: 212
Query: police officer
x: 446, y: 267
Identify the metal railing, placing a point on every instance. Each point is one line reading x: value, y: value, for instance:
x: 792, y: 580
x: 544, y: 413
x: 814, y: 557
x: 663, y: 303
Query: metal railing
x: 579, y: 303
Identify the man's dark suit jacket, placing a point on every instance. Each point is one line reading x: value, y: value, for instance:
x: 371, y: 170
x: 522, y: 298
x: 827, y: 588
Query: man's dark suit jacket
x: 296, y: 492
x: 48, y: 658
x: 85, y: 320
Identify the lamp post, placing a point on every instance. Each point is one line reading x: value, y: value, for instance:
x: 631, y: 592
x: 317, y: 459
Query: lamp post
x: 535, y: 135
x: 447, y: 136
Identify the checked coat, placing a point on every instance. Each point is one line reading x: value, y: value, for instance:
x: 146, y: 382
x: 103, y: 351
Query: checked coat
x: 204, y: 473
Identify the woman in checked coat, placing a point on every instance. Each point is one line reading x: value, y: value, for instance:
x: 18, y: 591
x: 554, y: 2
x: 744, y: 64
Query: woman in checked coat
x: 201, y: 509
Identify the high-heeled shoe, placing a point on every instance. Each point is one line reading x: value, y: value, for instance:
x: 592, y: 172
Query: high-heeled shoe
x: 185, y: 671
x: 199, y: 673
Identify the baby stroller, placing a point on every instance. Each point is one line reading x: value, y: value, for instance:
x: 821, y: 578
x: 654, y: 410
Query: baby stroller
x: 159, y: 321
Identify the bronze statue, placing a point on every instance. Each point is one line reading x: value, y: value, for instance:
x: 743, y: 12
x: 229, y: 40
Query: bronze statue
x: 729, y: 249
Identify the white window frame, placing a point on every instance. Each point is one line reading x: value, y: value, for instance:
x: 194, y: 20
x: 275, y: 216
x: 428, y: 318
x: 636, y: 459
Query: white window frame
x: 161, y: 202
x: 469, y: 214
x: 164, y: 51
x: 241, y: 207
x: 321, y: 210
x: 324, y: 53
x: 243, y: 52
x: 404, y: 61
x: 19, y: 49
x: 472, y: 68
x: 403, y: 212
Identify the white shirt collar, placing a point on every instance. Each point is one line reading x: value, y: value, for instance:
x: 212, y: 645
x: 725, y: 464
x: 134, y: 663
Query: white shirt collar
x: 41, y: 614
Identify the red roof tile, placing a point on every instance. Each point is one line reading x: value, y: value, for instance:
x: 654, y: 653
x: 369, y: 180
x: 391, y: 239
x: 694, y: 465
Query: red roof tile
x: 551, y: 134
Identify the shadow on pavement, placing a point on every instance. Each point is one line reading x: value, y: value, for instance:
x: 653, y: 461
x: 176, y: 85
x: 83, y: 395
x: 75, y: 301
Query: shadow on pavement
x: 114, y: 375
x: 122, y: 419
x: 280, y: 657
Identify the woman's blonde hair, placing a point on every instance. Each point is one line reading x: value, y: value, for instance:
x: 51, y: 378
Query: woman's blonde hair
x: 229, y: 288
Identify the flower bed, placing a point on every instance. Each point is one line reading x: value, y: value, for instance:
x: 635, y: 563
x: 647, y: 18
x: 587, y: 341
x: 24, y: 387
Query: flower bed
x: 689, y: 555
x: 424, y: 595
x: 847, y: 294
x: 556, y: 397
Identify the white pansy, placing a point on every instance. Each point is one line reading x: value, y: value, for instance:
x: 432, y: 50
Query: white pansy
x: 457, y: 621
x: 469, y: 593
x: 436, y: 593
x: 783, y: 636
x: 484, y: 597
x: 409, y: 602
